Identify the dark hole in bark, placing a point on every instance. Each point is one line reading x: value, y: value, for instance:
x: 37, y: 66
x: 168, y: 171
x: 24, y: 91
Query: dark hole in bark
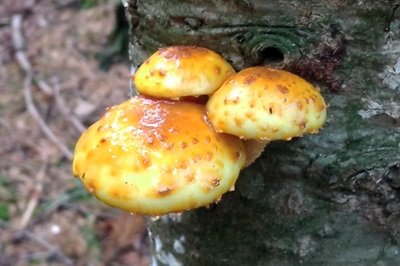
x: 392, y: 176
x: 271, y: 55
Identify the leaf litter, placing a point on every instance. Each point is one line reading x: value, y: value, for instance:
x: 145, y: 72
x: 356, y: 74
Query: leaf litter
x: 46, y: 217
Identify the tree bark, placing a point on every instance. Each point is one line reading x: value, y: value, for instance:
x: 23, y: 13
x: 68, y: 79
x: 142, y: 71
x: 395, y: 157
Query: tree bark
x: 325, y: 199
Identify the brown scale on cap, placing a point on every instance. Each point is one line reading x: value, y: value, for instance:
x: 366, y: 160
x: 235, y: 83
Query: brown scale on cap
x: 159, y: 156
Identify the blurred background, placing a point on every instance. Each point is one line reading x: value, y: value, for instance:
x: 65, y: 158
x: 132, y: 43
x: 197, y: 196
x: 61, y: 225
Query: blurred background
x: 61, y: 63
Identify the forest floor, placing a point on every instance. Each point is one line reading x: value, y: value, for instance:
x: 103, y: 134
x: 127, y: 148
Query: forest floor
x: 51, y: 89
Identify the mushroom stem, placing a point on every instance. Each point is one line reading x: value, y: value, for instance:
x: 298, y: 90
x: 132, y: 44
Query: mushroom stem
x: 254, y: 148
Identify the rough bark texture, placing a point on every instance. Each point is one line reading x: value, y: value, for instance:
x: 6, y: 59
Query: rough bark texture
x: 328, y: 199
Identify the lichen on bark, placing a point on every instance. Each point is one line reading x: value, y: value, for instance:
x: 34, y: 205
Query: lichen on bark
x: 326, y: 199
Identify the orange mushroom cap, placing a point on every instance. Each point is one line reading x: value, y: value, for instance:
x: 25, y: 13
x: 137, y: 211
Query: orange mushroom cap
x: 267, y: 104
x: 179, y: 71
x: 156, y: 156
x: 261, y: 104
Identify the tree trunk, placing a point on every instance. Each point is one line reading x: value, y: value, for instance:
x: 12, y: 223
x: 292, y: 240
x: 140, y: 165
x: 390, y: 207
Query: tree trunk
x: 326, y: 199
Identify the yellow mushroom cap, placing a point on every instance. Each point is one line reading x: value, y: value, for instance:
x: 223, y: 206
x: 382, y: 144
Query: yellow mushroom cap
x: 179, y: 71
x: 265, y: 103
x: 154, y: 157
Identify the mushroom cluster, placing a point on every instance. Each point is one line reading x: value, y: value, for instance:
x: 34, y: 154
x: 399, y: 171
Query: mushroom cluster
x: 167, y: 150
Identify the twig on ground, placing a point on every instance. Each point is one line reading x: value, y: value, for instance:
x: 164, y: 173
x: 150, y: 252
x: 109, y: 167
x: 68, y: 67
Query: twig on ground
x: 29, y: 256
x: 62, y: 3
x: 42, y: 124
x: 27, y: 215
x: 51, y: 248
x: 18, y: 41
x: 56, y: 203
x: 44, y: 87
x: 22, y: 59
x: 62, y: 107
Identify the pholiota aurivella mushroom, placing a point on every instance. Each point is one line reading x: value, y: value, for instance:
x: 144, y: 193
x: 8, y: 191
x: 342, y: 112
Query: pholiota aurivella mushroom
x: 261, y: 104
x: 151, y: 156
x: 159, y: 153
x: 180, y: 71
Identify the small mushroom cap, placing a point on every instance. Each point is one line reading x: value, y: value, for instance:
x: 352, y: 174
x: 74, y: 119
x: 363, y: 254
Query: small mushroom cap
x: 179, y: 71
x: 268, y: 104
x: 156, y: 156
